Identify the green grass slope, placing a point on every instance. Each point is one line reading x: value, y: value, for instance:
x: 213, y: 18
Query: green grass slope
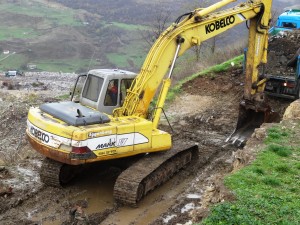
x: 268, y: 190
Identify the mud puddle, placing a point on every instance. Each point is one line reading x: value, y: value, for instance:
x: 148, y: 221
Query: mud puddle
x: 153, y: 204
x: 93, y: 192
x: 90, y: 195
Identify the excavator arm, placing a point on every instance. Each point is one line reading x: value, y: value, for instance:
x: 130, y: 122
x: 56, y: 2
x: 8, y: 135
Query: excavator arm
x: 196, y: 27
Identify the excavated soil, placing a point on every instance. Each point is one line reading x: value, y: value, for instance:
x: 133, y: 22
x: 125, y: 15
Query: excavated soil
x: 282, y: 48
x: 205, y: 113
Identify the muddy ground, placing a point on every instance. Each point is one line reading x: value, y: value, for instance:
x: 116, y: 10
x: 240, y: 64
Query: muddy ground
x: 205, y: 113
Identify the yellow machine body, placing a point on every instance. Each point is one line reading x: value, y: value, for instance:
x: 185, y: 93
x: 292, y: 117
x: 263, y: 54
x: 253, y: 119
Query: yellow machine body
x: 122, y: 137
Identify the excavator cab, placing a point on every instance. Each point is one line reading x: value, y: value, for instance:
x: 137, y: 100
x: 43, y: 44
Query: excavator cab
x: 103, y: 89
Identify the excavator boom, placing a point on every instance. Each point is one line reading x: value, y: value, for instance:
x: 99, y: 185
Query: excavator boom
x: 196, y: 27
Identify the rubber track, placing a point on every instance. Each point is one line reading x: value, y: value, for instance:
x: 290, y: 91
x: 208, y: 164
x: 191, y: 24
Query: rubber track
x: 151, y: 171
x: 50, y: 172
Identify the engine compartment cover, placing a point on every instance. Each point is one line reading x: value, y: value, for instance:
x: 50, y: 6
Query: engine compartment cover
x: 74, y: 114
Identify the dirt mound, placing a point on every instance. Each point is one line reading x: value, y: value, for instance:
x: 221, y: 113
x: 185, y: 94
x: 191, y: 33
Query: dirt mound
x: 282, y: 48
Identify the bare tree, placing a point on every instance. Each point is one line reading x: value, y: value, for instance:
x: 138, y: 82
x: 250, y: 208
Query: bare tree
x: 162, y: 20
x: 274, y: 16
x: 209, y: 44
x: 157, y: 27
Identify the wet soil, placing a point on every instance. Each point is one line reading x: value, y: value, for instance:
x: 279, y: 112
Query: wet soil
x: 205, y: 113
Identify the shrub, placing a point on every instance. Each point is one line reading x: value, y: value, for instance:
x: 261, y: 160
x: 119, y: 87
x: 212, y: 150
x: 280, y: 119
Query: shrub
x: 280, y: 150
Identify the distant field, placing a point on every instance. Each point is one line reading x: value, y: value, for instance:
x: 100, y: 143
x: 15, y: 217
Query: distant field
x: 28, y: 19
x: 17, y: 61
x: 65, y: 66
x: 129, y: 56
x: 12, y: 61
x: 7, y: 33
x: 43, y: 12
x: 125, y: 26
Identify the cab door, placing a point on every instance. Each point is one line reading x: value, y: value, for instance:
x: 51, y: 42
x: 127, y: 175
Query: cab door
x: 115, y: 94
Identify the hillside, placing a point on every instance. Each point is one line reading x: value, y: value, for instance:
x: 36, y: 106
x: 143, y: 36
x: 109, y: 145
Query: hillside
x: 68, y: 36
x: 57, y: 38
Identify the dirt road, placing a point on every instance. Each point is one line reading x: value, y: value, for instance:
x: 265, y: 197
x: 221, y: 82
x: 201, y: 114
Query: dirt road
x: 205, y: 113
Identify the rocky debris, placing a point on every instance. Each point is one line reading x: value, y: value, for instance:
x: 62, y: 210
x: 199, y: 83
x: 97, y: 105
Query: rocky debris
x: 40, y: 81
x: 77, y: 215
x: 4, y: 172
x: 292, y: 111
x: 245, y: 156
x: 5, y: 191
x: 215, y: 192
x: 281, y: 50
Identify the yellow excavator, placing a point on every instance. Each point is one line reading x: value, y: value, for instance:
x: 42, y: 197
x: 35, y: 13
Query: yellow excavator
x: 70, y: 134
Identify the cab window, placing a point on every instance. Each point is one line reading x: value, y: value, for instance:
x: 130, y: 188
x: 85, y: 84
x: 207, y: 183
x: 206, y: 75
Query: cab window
x: 289, y: 24
x: 125, y: 84
x: 92, y: 88
x: 111, y: 97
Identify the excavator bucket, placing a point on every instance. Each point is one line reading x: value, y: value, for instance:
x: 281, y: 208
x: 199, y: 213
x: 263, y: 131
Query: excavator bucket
x: 249, y: 118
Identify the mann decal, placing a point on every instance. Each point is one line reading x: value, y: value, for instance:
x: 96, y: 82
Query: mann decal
x: 109, y: 144
x: 115, y: 141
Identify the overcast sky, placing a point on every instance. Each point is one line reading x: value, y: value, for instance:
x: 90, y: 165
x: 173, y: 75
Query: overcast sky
x: 285, y: 3
x: 277, y: 4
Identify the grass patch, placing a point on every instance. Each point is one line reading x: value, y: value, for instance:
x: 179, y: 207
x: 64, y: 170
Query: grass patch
x: 258, y: 170
x: 64, y: 97
x: 12, y: 61
x: 129, y: 56
x: 17, y: 61
x: 282, y: 168
x: 17, y: 32
x: 118, y: 59
x: 277, y: 135
x: 271, y: 181
x: 125, y: 26
x: 65, y: 65
x: 268, y: 190
x: 280, y: 150
x: 57, y: 16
